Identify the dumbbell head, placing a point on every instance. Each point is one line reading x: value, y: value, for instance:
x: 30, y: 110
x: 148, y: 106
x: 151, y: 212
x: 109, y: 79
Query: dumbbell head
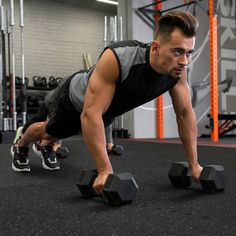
x: 117, y: 150
x: 178, y: 175
x: 120, y: 188
x: 85, y: 183
x: 212, y: 178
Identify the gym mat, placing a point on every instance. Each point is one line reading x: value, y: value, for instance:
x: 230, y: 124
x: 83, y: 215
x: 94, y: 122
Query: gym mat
x: 44, y: 202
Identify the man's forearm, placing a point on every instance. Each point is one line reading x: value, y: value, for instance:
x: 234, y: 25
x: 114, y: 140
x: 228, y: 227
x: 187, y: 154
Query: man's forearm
x: 188, y: 134
x: 94, y: 135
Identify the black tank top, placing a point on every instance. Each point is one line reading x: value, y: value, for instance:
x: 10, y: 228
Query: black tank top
x: 138, y: 83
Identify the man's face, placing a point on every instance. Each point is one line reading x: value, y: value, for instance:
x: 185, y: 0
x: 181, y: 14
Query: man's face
x: 174, y: 54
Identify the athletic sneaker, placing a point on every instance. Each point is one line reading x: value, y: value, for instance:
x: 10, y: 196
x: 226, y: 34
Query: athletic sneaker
x: 48, y: 156
x: 20, y: 159
x: 18, y: 134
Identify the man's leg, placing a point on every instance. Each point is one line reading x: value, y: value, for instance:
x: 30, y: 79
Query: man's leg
x: 19, y: 150
x: 40, y: 116
x: 36, y: 132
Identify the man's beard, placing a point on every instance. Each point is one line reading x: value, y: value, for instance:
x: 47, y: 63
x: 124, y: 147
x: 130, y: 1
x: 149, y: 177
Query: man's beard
x: 176, y: 78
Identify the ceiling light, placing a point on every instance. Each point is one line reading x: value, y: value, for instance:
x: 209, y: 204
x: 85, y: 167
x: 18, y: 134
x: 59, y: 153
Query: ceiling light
x: 108, y: 1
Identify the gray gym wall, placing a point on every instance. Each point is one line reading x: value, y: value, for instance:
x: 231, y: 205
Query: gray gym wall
x: 227, y: 67
x: 141, y: 121
x: 57, y: 33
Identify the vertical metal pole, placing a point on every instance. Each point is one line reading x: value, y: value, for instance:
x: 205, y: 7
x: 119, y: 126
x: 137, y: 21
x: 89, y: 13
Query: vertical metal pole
x: 105, y: 31
x: 1, y: 65
x: 23, y: 85
x: 1, y: 68
x: 8, y: 62
x: 115, y: 28
x: 112, y: 29
x: 121, y: 28
x: 120, y: 36
x: 5, y: 87
x: 13, y: 95
x: 115, y: 40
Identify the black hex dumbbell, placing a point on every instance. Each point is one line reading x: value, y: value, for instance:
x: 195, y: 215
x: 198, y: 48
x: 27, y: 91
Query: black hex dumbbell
x: 117, y: 150
x: 212, y: 178
x: 118, y: 189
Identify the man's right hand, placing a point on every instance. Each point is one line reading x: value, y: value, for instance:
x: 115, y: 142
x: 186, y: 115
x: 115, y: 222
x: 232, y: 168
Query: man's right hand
x: 99, y: 182
x: 196, y: 171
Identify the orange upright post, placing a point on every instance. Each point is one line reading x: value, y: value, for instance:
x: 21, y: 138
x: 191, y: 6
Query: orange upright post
x: 159, y: 100
x: 213, y: 70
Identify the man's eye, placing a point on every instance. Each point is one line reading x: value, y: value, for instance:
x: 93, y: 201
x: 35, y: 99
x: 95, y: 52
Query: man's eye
x: 189, y: 55
x: 177, y: 52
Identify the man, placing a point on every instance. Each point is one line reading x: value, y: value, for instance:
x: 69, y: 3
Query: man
x: 127, y: 75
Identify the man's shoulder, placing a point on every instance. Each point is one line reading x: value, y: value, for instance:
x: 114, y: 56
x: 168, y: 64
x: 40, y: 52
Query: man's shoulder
x: 128, y: 43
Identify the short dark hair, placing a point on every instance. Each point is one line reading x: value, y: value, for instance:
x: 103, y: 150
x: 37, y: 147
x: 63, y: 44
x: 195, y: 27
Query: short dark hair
x: 184, y: 21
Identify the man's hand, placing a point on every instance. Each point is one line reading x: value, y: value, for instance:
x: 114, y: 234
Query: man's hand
x: 99, y: 182
x: 196, y: 171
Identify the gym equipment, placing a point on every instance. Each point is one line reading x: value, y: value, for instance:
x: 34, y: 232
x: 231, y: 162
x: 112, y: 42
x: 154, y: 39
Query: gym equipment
x: 117, y: 150
x: 13, y: 67
x: 212, y: 178
x: 118, y: 131
x: 24, y: 82
x: 39, y: 82
x: 119, y: 188
x: 179, y: 176
x: 52, y: 83
x: 62, y: 152
x: 226, y: 126
x: 1, y: 69
x: 19, y: 81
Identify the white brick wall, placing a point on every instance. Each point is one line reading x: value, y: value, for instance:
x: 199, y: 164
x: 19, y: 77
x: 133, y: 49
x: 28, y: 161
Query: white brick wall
x: 56, y: 36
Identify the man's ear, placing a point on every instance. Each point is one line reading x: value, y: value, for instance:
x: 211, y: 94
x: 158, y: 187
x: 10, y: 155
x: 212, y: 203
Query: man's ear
x: 155, y: 46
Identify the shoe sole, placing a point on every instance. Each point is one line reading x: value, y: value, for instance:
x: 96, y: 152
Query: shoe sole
x: 20, y: 170
x: 39, y: 154
x: 15, y: 168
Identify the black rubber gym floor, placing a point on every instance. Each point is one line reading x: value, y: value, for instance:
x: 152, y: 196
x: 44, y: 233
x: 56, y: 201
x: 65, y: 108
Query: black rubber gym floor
x: 48, y: 203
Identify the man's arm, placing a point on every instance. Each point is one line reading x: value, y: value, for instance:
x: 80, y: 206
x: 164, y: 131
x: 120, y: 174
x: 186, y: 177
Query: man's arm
x: 99, y: 94
x: 186, y: 121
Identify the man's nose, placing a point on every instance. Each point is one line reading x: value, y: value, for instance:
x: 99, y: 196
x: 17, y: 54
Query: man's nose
x: 183, y: 61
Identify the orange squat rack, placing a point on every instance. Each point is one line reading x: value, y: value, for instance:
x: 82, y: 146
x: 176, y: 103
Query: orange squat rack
x: 213, y: 44
x: 213, y: 70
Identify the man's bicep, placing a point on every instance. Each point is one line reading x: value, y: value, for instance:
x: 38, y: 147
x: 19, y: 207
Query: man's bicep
x: 99, y: 94
x: 101, y: 86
